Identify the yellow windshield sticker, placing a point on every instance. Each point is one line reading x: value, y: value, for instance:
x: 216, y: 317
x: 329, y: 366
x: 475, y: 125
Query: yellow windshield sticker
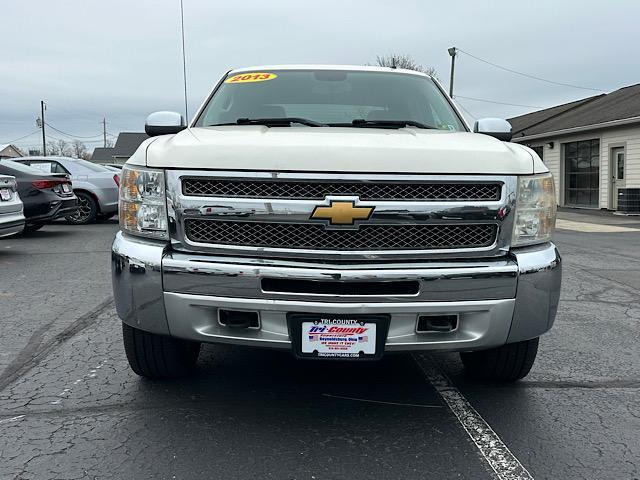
x: 251, y: 77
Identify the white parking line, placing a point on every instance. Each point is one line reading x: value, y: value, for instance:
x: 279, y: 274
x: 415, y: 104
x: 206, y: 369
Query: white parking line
x: 495, y: 452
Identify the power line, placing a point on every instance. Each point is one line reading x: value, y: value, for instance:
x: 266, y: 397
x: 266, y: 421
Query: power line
x: 25, y: 144
x: 81, y: 141
x: 467, y: 111
x: 71, y: 135
x: 527, y: 75
x: 497, y: 102
x: 18, y: 139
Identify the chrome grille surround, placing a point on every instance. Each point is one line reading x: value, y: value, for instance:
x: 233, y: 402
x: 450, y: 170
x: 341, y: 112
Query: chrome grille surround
x: 423, y: 214
x: 447, y: 191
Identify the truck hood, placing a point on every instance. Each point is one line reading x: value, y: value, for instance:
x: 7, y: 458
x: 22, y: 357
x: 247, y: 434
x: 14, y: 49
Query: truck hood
x: 336, y: 149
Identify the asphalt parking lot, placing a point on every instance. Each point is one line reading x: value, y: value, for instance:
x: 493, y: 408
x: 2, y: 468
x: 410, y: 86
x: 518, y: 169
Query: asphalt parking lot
x: 71, y: 408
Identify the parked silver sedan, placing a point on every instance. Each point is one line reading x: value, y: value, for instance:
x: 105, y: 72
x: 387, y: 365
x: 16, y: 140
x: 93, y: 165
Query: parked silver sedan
x: 95, y: 186
x: 11, y: 210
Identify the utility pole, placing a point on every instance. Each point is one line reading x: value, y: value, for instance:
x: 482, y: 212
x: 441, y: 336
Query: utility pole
x: 452, y: 52
x: 104, y: 131
x: 44, y: 141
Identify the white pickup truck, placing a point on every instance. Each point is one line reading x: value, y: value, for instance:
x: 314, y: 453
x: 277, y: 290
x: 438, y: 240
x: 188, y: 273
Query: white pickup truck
x: 340, y: 213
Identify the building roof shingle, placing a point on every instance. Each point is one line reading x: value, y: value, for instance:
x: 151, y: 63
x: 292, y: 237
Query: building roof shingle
x: 102, y: 154
x: 127, y: 143
x: 617, y: 105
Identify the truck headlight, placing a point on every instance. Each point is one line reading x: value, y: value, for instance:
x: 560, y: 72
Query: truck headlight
x: 143, y: 207
x: 535, y: 210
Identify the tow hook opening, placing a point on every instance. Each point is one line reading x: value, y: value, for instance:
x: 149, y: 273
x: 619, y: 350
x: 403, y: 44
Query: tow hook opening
x: 437, y: 323
x: 240, y: 319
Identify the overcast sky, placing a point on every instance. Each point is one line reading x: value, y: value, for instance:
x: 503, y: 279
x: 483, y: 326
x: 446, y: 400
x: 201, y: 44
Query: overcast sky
x: 121, y: 58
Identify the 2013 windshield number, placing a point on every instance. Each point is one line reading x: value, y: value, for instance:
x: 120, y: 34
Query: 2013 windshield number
x: 255, y: 76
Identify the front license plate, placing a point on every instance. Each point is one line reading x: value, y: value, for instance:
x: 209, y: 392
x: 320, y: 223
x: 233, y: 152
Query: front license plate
x: 341, y: 337
x: 5, y: 194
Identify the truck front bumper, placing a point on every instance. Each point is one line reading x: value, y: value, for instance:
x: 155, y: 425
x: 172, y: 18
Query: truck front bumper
x: 497, y: 301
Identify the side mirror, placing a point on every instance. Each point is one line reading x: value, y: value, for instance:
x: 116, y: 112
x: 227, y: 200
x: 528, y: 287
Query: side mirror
x: 164, y: 123
x: 495, y: 127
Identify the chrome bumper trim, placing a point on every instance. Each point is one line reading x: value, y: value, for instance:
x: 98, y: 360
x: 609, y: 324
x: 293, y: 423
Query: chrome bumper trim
x: 521, y: 295
x: 539, y: 282
x: 136, y: 274
x: 439, y: 281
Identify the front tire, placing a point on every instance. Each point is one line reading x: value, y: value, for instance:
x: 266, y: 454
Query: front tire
x: 158, y: 356
x: 87, y: 210
x: 507, y: 363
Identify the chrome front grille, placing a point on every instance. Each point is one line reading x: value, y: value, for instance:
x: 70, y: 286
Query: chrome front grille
x: 318, y: 190
x: 271, y: 214
x: 316, y: 237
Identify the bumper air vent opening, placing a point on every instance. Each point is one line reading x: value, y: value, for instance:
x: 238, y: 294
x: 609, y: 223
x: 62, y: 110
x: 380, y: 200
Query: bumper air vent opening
x: 240, y: 319
x: 437, y: 323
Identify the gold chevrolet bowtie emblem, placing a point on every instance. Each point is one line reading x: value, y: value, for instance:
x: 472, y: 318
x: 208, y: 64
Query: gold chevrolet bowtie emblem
x: 342, y: 213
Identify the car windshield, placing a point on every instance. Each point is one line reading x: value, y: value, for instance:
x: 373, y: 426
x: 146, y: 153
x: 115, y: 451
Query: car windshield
x: 331, y: 97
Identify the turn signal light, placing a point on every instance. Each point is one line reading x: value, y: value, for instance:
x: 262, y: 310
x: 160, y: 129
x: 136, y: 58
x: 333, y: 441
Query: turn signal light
x: 143, y: 209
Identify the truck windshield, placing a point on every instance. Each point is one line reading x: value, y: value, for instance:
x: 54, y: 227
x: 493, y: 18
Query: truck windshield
x: 330, y: 98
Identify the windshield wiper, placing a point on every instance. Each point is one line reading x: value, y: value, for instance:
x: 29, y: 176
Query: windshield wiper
x: 274, y: 122
x: 361, y: 122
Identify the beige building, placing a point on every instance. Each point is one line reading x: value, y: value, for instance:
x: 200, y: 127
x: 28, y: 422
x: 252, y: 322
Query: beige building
x: 9, y: 151
x: 592, y: 147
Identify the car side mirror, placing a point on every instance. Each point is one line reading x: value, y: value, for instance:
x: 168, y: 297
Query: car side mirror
x: 495, y: 127
x: 164, y: 123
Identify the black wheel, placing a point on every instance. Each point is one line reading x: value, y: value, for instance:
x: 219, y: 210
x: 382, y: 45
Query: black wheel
x: 87, y: 210
x: 32, y: 228
x: 158, y: 356
x: 508, y: 363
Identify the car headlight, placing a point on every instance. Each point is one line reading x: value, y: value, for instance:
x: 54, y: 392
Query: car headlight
x: 143, y: 207
x: 535, y: 210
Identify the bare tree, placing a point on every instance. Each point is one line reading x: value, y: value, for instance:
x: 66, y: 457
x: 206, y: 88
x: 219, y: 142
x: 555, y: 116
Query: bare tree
x: 53, y: 148
x: 64, y: 149
x: 396, y: 60
x: 79, y: 150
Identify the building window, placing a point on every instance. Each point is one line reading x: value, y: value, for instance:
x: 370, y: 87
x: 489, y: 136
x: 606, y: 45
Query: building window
x: 540, y: 151
x: 582, y: 173
x: 620, y: 160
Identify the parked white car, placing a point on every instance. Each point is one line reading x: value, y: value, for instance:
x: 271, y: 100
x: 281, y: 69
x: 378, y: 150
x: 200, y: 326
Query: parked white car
x: 96, y: 186
x: 116, y: 167
x: 11, y: 209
